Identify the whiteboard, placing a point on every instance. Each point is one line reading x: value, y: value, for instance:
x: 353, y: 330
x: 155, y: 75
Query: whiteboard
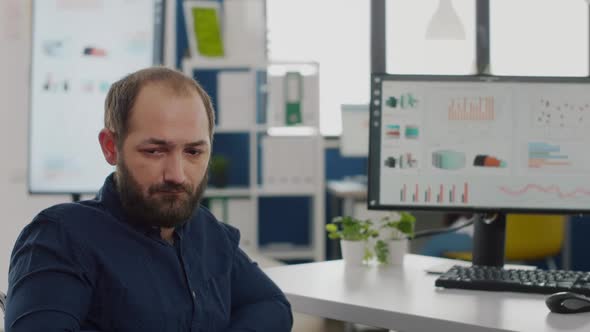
x: 481, y: 144
x: 79, y: 48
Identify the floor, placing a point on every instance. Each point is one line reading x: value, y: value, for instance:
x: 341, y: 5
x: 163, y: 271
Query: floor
x: 306, y: 323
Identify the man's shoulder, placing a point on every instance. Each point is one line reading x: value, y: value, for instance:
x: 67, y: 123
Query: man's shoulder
x: 67, y: 211
x: 72, y: 215
x: 62, y: 225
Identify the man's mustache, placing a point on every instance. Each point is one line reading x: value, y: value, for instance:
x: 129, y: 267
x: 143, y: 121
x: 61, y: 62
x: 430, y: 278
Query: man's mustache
x: 171, y: 187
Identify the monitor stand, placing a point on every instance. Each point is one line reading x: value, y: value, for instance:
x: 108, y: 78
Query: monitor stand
x: 489, y: 237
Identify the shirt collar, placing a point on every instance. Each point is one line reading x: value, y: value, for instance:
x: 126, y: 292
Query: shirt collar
x: 109, y: 197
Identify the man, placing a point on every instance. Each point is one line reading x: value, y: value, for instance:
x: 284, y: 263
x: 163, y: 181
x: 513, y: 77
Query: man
x: 143, y: 256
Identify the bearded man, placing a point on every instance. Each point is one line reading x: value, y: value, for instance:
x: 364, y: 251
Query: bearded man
x: 143, y: 255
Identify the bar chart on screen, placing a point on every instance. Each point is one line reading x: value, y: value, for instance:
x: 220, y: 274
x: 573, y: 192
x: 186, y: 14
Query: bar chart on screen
x: 471, y: 109
x: 435, y: 194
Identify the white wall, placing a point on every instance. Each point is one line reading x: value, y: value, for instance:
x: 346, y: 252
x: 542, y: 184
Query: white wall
x: 17, y: 207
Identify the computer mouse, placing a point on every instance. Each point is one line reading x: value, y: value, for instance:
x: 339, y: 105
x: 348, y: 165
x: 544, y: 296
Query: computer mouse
x: 567, y: 303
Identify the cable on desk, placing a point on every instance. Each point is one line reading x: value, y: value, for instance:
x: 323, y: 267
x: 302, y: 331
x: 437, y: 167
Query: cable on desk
x: 436, y: 231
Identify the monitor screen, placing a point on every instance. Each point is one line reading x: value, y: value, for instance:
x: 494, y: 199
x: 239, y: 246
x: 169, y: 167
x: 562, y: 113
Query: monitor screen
x: 354, y: 140
x: 79, y: 48
x: 480, y: 143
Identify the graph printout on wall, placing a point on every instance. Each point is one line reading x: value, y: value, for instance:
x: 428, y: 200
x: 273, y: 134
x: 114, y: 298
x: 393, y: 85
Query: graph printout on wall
x: 79, y: 48
x: 466, y: 143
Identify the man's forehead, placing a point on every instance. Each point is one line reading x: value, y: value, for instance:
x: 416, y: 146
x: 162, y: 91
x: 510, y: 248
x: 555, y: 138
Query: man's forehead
x: 169, y: 87
x: 155, y: 103
x: 160, y: 92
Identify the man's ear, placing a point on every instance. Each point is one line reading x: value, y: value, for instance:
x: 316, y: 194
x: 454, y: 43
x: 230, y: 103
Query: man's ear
x: 108, y: 144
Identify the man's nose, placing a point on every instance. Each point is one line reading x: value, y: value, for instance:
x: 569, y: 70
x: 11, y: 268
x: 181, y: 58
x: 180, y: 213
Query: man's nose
x: 174, y: 171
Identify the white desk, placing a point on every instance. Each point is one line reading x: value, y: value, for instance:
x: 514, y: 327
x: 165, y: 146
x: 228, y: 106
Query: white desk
x: 405, y: 299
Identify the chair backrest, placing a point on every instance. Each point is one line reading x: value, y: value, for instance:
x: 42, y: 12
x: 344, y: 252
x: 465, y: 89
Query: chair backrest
x: 3, y: 301
x: 533, y: 237
x: 529, y: 237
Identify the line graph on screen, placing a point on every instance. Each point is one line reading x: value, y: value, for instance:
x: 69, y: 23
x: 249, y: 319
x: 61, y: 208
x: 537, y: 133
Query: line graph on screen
x: 555, y: 190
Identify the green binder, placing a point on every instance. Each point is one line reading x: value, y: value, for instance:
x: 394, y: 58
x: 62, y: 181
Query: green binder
x: 293, y: 98
x: 208, y: 31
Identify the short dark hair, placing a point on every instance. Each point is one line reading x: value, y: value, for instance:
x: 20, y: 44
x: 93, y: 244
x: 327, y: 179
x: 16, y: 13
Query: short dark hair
x: 123, y: 93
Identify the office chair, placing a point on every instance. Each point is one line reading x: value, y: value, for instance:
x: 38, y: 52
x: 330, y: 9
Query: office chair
x: 529, y: 238
x: 3, y: 302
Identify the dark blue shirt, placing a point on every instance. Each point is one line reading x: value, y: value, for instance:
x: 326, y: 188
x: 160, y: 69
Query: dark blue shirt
x: 84, y: 266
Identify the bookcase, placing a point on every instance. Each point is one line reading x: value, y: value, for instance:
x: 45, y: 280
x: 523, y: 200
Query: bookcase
x: 267, y: 127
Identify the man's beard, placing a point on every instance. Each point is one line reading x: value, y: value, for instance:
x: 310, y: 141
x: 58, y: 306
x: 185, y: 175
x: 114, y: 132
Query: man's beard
x: 157, y: 209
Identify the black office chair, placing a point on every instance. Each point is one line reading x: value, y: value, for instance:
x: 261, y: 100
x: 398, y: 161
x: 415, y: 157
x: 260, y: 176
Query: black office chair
x: 3, y: 302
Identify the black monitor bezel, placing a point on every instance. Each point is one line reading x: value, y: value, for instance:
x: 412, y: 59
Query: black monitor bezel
x: 375, y: 141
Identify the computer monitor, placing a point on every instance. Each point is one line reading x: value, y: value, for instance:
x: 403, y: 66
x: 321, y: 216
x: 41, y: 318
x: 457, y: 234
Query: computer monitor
x: 487, y: 145
x: 79, y: 48
x: 354, y: 140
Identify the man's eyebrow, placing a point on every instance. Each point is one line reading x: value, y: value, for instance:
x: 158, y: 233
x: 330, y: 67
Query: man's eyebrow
x: 197, y: 143
x: 158, y: 141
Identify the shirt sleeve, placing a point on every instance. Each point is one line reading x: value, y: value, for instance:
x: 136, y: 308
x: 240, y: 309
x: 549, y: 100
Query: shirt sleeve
x: 257, y: 302
x: 49, y: 290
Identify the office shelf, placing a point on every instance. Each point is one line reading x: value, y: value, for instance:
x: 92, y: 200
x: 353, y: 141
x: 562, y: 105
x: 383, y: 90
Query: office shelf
x: 240, y: 88
x: 228, y: 192
x: 189, y: 63
x: 222, y: 130
x: 287, y: 192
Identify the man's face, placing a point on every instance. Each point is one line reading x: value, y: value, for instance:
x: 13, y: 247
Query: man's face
x: 162, y: 165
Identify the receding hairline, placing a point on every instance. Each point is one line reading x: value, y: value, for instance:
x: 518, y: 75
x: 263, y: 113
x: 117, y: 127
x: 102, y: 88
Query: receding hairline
x: 174, y: 88
x: 122, y: 97
x: 169, y: 91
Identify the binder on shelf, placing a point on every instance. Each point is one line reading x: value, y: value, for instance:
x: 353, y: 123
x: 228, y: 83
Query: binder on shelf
x: 293, y: 83
x: 293, y: 95
x: 203, y: 25
x: 232, y: 31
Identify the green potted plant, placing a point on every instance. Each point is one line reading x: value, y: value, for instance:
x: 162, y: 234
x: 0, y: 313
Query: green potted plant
x: 218, y: 168
x: 394, y: 232
x: 353, y: 235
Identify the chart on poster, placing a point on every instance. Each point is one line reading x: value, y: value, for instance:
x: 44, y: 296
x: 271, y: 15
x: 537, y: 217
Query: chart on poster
x: 79, y: 48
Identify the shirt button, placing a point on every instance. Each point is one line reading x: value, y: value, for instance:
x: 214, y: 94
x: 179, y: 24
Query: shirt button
x: 194, y: 295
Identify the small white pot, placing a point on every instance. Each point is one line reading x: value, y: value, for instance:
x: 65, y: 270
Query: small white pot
x: 397, y: 251
x: 353, y: 252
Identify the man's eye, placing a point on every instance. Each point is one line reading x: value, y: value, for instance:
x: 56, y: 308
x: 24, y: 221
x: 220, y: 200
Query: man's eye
x: 152, y: 151
x: 193, y: 152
